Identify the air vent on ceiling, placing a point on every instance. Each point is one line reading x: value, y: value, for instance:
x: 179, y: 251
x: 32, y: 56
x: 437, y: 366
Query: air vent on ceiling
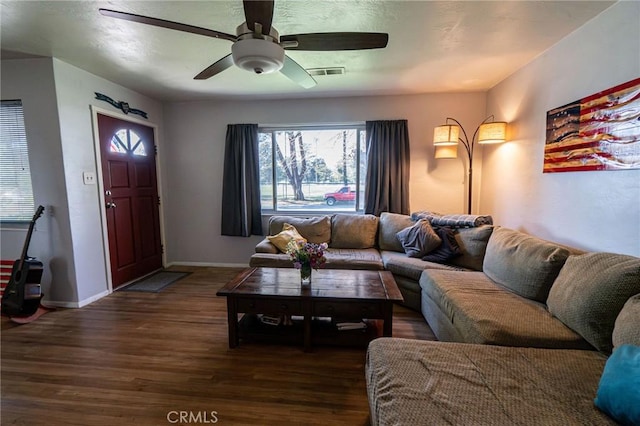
x: 326, y: 71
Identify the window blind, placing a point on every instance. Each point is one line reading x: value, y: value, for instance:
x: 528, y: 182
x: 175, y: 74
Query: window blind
x: 16, y: 193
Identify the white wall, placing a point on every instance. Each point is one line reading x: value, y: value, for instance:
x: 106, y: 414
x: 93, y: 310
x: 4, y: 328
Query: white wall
x: 75, y: 90
x: 195, y: 136
x: 68, y: 239
x: 596, y: 210
x: 32, y: 81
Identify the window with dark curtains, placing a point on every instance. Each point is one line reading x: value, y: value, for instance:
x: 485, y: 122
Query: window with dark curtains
x: 241, y: 182
x: 387, y: 181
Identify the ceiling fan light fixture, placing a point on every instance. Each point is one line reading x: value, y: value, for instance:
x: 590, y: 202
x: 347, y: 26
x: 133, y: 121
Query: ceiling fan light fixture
x: 259, y: 56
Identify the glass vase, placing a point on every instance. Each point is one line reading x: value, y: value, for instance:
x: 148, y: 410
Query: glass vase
x: 305, y: 274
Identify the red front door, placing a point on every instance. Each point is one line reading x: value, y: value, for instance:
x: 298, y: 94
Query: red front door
x: 131, y: 198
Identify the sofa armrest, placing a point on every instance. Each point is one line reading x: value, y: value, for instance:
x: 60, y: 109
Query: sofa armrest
x: 265, y: 246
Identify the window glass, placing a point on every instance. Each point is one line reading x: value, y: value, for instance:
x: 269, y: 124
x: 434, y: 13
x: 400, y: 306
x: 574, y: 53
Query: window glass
x: 312, y: 169
x: 266, y: 170
x: 126, y: 140
x: 16, y: 192
x: 362, y: 167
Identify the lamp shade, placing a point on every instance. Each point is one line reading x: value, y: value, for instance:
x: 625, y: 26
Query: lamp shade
x: 447, y: 134
x: 495, y: 132
x: 446, y: 151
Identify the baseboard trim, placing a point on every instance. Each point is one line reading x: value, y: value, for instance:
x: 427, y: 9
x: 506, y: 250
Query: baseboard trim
x: 76, y: 305
x: 87, y: 301
x: 209, y: 264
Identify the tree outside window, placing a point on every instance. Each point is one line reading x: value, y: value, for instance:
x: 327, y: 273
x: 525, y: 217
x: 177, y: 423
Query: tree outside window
x: 312, y: 168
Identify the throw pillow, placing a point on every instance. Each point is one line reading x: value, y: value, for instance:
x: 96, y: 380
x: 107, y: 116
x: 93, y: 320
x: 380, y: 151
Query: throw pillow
x: 447, y: 250
x: 473, y: 244
x: 590, y: 292
x: 289, y: 233
x: 618, y: 393
x: 419, y: 239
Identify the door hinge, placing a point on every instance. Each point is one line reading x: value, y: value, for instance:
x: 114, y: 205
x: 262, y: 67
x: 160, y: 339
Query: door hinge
x: 155, y: 149
x: 158, y: 200
x: 162, y: 248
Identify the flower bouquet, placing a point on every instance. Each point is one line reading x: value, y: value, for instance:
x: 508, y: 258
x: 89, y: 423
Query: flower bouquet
x: 305, y: 257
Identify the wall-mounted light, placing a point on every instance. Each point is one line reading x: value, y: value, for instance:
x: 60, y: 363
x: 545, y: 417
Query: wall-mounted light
x: 447, y: 137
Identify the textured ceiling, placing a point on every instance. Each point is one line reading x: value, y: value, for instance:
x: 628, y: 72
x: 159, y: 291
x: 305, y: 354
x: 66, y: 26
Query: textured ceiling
x: 434, y: 46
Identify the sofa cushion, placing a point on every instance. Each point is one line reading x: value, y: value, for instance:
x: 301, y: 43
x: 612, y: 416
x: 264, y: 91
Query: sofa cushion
x: 627, y: 326
x: 315, y: 229
x: 485, y: 312
x: 525, y: 264
x: 590, y: 292
x: 417, y: 382
x: 445, y: 251
x: 353, y: 259
x: 390, y: 225
x: 288, y: 234
x: 409, y: 267
x: 265, y: 246
x: 410, y: 290
x: 419, y: 239
x: 473, y: 244
x: 353, y: 231
x: 270, y: 260
x: 336, y: 259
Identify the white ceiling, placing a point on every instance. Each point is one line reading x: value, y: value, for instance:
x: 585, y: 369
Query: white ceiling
x: 434, y: 46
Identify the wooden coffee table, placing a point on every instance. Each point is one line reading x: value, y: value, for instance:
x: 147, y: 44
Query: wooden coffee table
x: 334, y: 294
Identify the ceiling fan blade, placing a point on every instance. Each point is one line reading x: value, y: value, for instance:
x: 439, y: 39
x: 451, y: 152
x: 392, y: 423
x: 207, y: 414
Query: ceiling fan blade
x: 166, y: 24
x: 296, y: 73
x: 260, y: 11
x: 334, y: 41
x: 215, y: 68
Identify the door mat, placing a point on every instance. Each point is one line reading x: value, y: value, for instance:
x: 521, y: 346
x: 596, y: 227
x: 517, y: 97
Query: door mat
x: 156, y: 282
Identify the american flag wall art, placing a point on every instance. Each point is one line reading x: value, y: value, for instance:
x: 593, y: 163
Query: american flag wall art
x: 599, y: 132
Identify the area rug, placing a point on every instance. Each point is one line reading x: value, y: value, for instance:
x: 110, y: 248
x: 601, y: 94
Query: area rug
x: 156, y: 282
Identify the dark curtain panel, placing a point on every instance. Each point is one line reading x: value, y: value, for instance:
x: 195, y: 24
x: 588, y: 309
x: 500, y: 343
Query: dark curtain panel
x: 387, y: 182
x: 241, y: 182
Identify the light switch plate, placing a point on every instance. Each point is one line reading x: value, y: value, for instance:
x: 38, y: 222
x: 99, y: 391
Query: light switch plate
x: 89, y: 178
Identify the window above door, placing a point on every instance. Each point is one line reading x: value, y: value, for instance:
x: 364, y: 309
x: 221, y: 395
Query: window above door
x: 126, y: 141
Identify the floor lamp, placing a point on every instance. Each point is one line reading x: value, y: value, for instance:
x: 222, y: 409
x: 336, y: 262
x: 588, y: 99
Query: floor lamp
x: 447, y: 137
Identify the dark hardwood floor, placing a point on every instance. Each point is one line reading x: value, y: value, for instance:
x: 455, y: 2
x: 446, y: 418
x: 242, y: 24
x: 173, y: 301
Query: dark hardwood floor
x: 142, y: 358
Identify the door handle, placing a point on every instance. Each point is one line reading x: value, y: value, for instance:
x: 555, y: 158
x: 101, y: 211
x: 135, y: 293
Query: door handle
x: 111, y: 205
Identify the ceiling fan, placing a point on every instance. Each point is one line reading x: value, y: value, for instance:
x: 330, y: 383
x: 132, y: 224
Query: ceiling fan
x: 257, y: 46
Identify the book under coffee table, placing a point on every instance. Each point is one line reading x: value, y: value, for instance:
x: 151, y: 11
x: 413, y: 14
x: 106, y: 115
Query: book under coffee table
x: 334, y: 293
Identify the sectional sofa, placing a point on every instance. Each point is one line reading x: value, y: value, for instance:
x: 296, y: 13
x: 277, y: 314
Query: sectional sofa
x: 526, y: 326
x: 524, y: 341
x: 413, y: 382
x: 369, y: 242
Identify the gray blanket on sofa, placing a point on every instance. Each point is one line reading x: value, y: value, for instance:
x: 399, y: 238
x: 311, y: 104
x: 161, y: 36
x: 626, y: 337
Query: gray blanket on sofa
x: 413, y: 382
